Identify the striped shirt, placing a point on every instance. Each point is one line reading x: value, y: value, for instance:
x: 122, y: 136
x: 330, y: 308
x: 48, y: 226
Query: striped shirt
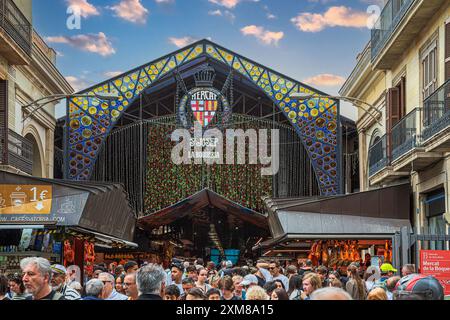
x: 69, y: 293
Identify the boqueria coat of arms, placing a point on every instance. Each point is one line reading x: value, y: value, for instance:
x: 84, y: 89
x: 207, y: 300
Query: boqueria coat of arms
x: 204, y: 103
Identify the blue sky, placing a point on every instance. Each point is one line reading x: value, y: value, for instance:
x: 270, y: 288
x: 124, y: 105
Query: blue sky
x: 314, y: 41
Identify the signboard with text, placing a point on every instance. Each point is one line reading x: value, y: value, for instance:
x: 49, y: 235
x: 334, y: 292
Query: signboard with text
x: 25, y: 199
x: 41, y: 204
x: 436, y: 263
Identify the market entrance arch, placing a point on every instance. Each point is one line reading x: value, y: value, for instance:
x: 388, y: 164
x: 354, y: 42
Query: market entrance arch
x: 91, y: 121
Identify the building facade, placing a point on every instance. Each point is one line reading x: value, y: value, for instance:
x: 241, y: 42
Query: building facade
x: 404, y: 73
x: 27, y: 72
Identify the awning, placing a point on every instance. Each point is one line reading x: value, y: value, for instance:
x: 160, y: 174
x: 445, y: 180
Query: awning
x: 99, y: 207
x: 197, y: 202
x: 375, y: 214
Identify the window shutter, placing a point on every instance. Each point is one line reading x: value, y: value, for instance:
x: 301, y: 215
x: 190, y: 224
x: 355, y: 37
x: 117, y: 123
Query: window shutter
x: 402, y: 98
x: 3, y: 121
x: 392, y: 115
x: 447, y: 51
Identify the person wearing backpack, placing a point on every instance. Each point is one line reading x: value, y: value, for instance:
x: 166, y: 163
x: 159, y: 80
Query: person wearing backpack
x: 37, y: 275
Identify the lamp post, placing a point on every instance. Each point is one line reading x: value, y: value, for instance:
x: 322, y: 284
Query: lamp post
x: 355, y: 101
x: 42, y: 102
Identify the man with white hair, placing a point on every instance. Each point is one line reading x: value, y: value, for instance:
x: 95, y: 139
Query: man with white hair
x: 330, y: 293
x: 37, y: 276
x: 59, y: 283
x: 94, y: 290
x: 109, y: 292
x: 150, y: 281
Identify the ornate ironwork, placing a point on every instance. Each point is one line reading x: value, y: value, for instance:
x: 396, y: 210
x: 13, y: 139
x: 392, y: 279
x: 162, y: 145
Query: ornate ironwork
x: 436, y: 112
x: 393, y: 12
x: 405, y: 135
x: 16, y: 24
x: 378, y: 158
x: 315, y: 121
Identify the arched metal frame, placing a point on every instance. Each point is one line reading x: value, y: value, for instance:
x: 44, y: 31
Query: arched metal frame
x: 316, y: 121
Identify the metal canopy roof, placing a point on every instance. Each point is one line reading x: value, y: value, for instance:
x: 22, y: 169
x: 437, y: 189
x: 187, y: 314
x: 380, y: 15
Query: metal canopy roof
x: 98, y: 207
x: 374, y: 214
x: 197, y: 202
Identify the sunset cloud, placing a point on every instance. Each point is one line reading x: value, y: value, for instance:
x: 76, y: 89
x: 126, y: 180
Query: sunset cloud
x: 182, y: 42
x: 85, y: 8
x: 131, y: 10
x: 334, y: 17
x: 95, y: 43
x: 265, y: 36
x: 325, y: 80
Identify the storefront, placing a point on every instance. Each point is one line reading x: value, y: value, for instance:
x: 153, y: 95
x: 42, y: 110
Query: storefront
x: 335, y: 231
x: 62, y: 221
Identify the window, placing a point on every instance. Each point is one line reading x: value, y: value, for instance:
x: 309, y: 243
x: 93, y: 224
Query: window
x: 429, y: 69
x: 435, y: 210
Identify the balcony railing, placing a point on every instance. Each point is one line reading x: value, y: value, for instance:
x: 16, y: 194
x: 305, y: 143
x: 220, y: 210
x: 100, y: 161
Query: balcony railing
x: 436, y: 112
x: 16, y: 25
x: 378, y: 156
x: 405, y: 134
x: 393, y: 12
x: 20, y: 152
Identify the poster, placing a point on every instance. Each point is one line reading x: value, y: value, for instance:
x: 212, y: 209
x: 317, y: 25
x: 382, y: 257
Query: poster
x: 436, y: 263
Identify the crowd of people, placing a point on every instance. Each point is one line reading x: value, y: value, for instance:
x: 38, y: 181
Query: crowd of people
x: 264, y: 280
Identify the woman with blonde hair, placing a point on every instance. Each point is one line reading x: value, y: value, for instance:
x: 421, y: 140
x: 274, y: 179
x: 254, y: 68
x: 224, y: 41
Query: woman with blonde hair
x: 377, y: 294
x: 256, y: 293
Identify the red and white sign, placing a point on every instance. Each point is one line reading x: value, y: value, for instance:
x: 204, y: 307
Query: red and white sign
x: 436, y: 263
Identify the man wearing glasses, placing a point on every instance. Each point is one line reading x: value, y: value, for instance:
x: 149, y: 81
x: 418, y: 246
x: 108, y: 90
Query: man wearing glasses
x: 129, y: 285
x: 275, y: 269
x: 109, y: 293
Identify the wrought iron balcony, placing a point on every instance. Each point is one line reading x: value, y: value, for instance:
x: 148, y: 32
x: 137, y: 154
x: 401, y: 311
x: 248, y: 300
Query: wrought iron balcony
x: 16, y: 25
x: 393, y: 12
x: 436, y: 112
x: 20, y: 152
x: 405, y: 134
x: 378, y: 156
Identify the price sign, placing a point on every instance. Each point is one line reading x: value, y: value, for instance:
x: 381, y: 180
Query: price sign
x: 25, y: 199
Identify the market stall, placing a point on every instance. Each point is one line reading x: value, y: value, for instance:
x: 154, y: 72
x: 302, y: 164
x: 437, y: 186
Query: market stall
x: 336, y: 231
x: 62, y: 221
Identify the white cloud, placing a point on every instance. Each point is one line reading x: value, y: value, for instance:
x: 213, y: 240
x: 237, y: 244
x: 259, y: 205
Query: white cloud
x: 131, y: 10
x: 112, y: 74
x: 215, y: 13
x: 265, y: 36
x: 230, y: 4
x: 334, y: 17
x: 182, y: 42
x: 164, y: 1
x: 325, y: 80
x: 84, y: 7
x: 95, y: 43
x: 77, y: 84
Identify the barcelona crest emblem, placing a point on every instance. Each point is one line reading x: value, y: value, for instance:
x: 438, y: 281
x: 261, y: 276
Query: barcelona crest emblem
x: 204, y: 110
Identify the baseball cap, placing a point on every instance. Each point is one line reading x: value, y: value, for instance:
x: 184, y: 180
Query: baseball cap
x: 229, y: 264
x: 178, y: 265
x: 57, y: 268
x: 249, y: 279
x: 387, y: 267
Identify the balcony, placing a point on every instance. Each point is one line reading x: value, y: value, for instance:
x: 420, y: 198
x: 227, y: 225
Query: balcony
x: 405, y: 135
x: 20, y: 153
x: 436, y: 120
x: 378, y: 156
x: 398, y: 26
x: 15, y: 33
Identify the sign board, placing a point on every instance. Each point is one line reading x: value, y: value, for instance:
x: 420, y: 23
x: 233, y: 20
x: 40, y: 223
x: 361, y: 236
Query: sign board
x: 436, y: 263
x: 41, y: 204
x: 29, y: 199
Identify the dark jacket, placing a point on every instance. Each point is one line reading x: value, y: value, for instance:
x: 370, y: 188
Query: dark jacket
x: 149, y: 297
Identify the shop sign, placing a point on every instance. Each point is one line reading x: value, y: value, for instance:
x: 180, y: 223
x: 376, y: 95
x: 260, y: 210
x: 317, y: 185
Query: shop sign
x: 25, y: 199
x: 436, y: 263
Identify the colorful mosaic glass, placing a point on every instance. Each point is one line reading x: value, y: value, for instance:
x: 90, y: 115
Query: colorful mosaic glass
x: 315, y: 120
